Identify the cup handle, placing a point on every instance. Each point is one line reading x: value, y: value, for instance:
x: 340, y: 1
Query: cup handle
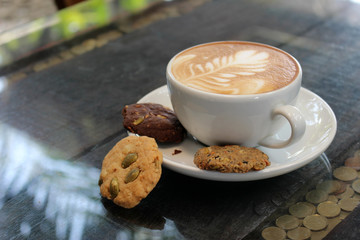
x: 297, y: 123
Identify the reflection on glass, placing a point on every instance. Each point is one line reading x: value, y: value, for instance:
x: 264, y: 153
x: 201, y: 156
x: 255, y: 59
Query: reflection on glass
x: 63, y: 195
x: 65, y: 24
x: 3, y: 83
x: 67, y: 192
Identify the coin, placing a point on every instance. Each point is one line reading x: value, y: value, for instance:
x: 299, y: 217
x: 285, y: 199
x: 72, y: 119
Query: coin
x: 344, y: 214
x: 78, y: 50
x: 332, y: 198
x: 356, y: 186
x: 66, y: 54
x: 329, y: 186
x: 299, y: 233
x: 89, y: 44
x: 16, y: 77
x: 54, y: 61
x: 300, y: 222
x: 349, y: 192
x: 345, y: 174
x: 287, y: 222
x: 357, y: 154
x: 315, y: 222
x: 273, y: 233
x: 332, y: 222
x: 302, y: 209
x: 318, y: 235
x: 316, y: 196
x: 342, y: 188
x: 353, y: 162
x: 356, y: 196
x: 328, y: 209
x: 40, y: 66
x: 348, y: 204
x: 100, y: 42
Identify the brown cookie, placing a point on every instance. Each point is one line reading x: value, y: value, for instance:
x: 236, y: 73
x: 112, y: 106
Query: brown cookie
x: 231, y: 158
x: 130, y: 171
x: 153, y: 120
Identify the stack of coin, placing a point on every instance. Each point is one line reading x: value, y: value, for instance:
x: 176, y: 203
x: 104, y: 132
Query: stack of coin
x: 324, y: 207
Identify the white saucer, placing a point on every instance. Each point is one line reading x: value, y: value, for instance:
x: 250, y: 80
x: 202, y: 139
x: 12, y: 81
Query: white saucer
x: 320, y: 131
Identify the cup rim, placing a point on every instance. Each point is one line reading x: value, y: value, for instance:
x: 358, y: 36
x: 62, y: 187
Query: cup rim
x: 170, y: 76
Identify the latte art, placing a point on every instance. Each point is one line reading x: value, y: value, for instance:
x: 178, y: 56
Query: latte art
x: 234, y: 68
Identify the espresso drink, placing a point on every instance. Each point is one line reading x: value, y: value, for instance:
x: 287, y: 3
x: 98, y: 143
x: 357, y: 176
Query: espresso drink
x: 234, y: 68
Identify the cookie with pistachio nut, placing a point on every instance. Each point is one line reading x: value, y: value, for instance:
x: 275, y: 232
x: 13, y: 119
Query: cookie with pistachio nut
x: 130, y: 171
x: 231, y: 159
x: 153, y: 120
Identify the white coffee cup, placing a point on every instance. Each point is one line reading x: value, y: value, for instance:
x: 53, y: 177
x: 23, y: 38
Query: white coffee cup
x: 244, y: 119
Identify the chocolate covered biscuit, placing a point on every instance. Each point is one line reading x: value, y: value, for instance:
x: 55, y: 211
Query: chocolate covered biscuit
x: 153, y: 120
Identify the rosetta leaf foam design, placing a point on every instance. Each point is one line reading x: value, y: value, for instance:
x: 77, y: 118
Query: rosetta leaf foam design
x: 222, y: 74
x: 221, y: 69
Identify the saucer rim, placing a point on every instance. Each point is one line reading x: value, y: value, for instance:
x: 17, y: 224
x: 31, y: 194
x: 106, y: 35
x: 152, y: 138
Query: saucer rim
x: 193, y: 171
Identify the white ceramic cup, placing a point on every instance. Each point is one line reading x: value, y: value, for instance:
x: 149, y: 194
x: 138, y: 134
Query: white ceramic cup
x: 247, y: 120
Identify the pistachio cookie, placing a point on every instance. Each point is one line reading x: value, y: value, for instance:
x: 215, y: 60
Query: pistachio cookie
x: 231, y: 158
x: 130, y: 171
x: 153, y: 120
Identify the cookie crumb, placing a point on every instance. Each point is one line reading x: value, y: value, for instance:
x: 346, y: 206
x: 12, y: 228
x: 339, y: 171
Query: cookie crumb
x: 176, y: 151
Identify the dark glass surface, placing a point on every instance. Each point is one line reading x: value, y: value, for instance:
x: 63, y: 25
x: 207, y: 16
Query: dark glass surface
x: 60, y: 113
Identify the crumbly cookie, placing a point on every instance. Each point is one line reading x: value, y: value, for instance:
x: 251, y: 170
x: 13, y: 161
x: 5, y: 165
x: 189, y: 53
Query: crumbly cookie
x: 153, y: 120
x: 231, y: 158
x: 130, y: 170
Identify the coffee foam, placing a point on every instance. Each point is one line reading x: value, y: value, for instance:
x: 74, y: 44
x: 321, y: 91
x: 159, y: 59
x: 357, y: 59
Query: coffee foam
x: 234, y: 68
